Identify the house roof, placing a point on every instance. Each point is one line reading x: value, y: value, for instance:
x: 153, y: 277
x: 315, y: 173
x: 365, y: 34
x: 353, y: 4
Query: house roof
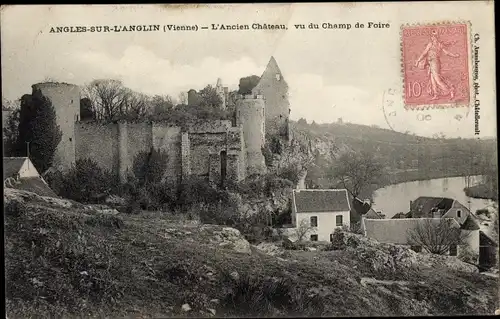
x: 396, y: 231
x: 35, y: 185
x: 470, y: 223
x: 361, y: 207
x: 422, y: 206
x: 401, y: 215
x: 373, y: 215
x: 321, y: 200
x: 12, y: 165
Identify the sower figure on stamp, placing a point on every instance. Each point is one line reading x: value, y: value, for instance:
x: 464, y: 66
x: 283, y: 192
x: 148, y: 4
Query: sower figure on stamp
x: 436, y: 81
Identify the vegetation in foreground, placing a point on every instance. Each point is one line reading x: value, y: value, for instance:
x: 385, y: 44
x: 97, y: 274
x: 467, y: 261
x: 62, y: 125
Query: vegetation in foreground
x: 73, y: 262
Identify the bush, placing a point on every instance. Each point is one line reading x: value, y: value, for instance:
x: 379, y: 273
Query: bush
x: 467, y: 255
x: 149, y: 167
x: 290, y: 172
x: 263, y: 186
x: 268, y: 297
x: 86, y: 182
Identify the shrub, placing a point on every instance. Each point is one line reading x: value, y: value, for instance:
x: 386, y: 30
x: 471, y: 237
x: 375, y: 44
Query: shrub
x: 252, y: 295
x: 86, y: 182
x: 195, y: 190
x: 467, y: 255
x: 290, y: 172
x: 149, y: 167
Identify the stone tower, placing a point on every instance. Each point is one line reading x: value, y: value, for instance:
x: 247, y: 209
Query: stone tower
x: 65, y: 99
x: 273, y: 87
x: 250, y: 114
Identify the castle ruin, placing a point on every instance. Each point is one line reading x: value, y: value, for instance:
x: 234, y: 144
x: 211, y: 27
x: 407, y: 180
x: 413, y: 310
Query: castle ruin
x: 218, y: 150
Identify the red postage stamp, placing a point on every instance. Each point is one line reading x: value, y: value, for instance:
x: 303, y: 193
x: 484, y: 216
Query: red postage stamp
x: 436, y: 66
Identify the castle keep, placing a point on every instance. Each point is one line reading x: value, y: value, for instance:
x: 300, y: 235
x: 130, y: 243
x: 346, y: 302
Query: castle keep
x: 218, y: 150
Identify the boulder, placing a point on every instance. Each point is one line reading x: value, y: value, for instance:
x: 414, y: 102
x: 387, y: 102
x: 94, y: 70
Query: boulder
x: 270, y: 249
x: 379, y: 257
x: 227, y: 237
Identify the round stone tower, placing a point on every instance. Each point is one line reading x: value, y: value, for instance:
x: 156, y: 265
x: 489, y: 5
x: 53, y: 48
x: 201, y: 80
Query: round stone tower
x: 65, y: 99
x: 250, y: 114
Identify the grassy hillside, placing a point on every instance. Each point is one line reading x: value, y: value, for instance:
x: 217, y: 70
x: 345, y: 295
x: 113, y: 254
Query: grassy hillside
x: 66, y: 260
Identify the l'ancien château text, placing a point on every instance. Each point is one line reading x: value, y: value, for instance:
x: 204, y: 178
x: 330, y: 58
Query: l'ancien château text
x: 253, y: 26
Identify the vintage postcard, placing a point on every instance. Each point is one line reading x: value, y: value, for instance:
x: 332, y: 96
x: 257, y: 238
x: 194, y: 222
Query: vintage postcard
x: 250, y: 160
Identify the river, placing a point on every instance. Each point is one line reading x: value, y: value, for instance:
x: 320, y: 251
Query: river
x: 393, y: 199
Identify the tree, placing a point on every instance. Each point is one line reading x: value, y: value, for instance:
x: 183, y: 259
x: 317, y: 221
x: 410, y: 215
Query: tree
x: 38, y: 126
x: 136, y: 104
x: 357, y: 171
x: 86, y: 111
x: 210, y: 98
x: 302, y: 229
x: 11, y: 135
x: 437, y: 236
x: 108, y: 98
x: 248, y: 83
x: 161, y: 107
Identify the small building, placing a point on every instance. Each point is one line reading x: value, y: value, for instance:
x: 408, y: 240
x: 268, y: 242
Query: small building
x: 321, y: 210
x: 20, y: 173
x: 18, y: 167
x: 438, y: 207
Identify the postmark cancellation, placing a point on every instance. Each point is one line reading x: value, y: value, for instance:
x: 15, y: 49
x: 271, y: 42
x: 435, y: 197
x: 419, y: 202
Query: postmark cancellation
x: 436, y: 65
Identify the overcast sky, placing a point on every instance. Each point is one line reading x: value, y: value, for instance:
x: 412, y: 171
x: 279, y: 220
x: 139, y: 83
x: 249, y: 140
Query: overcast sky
x: 331, y: 73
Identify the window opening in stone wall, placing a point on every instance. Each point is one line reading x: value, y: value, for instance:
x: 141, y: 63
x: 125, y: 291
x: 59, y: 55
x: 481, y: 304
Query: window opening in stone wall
x: 223, y: 167
x: 278, y: 76
x: 459, y: 213
x: 70, y: 139
x: 314, y: 237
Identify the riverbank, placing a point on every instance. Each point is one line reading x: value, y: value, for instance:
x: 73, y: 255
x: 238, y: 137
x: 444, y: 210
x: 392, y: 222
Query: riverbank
x: 407, y: 177
x: 482, y: 191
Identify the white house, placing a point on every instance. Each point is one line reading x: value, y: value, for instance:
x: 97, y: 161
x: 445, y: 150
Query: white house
x: 321, y: 211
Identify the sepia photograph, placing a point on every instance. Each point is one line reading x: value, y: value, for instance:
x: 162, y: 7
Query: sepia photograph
x: 250, y: 160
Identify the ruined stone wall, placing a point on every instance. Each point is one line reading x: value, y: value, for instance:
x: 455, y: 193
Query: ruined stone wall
x: 167, y: 138
x: 65, y: 99
x: 114, y: 147
x: 98, y: 142
x: 201, y: 146
x: 138, y: 138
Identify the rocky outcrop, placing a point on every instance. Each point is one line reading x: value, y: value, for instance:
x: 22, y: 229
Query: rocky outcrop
x: 389, y: 257
x: 227, y: 237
